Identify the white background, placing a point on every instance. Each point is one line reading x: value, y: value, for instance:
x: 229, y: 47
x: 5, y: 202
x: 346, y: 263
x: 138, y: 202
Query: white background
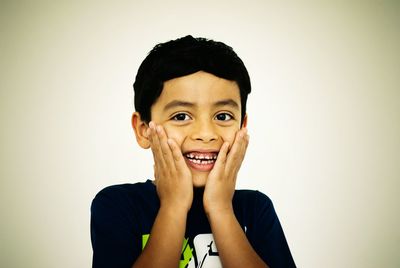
x: 324, y: 119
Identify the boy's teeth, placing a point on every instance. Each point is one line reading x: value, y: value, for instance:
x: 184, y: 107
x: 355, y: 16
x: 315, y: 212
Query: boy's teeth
x: 198, y: 161
x: 201, y: 156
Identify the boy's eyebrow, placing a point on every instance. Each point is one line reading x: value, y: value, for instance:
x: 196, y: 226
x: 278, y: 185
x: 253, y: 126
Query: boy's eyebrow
x: 227, y: 102
x: 176, y: 103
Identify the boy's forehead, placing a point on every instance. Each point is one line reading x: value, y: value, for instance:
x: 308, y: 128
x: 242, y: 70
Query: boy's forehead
x: 200, y: 87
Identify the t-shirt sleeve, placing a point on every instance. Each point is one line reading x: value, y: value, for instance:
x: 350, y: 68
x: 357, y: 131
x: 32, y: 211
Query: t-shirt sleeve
x: 268, y: 238
x: 114, y: 242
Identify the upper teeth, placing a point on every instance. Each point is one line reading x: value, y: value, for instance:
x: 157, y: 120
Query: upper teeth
x: 200, y: 156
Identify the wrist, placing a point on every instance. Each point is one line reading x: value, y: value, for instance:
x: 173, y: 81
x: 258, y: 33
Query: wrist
x: 219, y: 209
x: 220, y: 217
x: 175, y: 208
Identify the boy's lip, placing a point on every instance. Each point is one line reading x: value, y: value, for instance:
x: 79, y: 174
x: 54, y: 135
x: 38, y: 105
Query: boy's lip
x: 202, y: 151
x: 201, y: 160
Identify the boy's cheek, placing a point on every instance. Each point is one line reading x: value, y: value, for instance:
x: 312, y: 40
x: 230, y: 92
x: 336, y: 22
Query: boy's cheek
x: 171, y: 134
x: 179, y: 136
x: 230, y: 139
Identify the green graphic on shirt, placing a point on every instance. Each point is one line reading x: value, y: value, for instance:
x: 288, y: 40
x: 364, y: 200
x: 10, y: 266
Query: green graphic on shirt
x: 186, y: 250
x: 145, y: 238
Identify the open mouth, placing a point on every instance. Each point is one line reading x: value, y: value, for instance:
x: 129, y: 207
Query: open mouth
x: 201, y: 161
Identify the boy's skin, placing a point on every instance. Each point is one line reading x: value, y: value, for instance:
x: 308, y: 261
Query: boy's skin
x: 198, y: 114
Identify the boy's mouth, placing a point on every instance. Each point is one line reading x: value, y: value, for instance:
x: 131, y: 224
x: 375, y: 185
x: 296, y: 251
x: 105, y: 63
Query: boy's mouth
x: 201, y: 161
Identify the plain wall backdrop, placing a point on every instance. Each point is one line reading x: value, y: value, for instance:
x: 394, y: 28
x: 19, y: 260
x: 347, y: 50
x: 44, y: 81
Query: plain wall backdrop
x: 324, y: 119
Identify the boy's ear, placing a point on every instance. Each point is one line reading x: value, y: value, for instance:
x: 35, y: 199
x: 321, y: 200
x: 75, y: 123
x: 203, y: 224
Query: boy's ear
x: 244, y: 123
x: 140, y: 127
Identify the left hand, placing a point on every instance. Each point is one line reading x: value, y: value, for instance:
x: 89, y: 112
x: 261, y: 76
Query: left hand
x: 221, y: 181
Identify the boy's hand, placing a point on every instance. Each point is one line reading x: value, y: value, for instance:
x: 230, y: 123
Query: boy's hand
x: 221, y: 181
x: 173, y: 178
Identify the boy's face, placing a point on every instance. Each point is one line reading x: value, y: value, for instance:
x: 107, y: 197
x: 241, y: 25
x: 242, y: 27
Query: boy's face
x: 200, y: 112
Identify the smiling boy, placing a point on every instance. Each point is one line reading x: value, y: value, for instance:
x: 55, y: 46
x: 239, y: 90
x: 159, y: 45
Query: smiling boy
x: 190, y: 100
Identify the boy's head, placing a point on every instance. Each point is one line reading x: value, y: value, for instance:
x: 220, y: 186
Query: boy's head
x: 182, y: 57
x: 197, y: 90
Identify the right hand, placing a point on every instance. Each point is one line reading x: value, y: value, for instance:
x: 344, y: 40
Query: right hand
x: 173, y: 178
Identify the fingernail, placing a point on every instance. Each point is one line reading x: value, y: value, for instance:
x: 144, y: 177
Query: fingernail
x: 151, y: 124
x: 158, y: 128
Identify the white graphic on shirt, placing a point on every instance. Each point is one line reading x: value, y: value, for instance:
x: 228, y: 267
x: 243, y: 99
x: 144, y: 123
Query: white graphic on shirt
x: 206, y: 252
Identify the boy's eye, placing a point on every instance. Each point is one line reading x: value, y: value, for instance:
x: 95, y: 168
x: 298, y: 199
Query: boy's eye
x: 224, y: 117
x: 181, y: 117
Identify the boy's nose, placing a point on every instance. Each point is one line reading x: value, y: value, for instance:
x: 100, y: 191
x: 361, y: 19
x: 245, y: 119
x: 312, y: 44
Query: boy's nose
x: 204, y: 131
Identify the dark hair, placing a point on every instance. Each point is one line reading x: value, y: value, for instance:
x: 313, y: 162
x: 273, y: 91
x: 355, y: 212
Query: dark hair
x: 182, y: 57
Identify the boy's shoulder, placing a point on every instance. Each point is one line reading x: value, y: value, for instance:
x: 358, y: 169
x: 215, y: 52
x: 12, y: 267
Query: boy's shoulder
x: 252, y: 199
x: 126, y: 189
x: 125, y: 195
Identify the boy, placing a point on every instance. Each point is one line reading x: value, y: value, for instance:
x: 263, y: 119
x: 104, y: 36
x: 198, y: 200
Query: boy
x: 190, y: 100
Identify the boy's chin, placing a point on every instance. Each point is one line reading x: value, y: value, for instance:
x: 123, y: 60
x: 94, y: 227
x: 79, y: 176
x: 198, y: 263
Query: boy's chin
x: 199, y: 179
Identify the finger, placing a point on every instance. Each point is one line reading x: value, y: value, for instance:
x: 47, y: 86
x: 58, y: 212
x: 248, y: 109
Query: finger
x: 176, y: 154
x: 244, y: 142
x: 156, y: 147
x: 166, y: 150
x: 149, y: 137
x: 155, y: 173
x: 247, y: 140
x: 150, y: 134
x: 220, y: 163
x: 236, y: 154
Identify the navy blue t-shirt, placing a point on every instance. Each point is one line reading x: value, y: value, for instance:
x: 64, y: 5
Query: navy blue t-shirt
x: 122, y: 217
